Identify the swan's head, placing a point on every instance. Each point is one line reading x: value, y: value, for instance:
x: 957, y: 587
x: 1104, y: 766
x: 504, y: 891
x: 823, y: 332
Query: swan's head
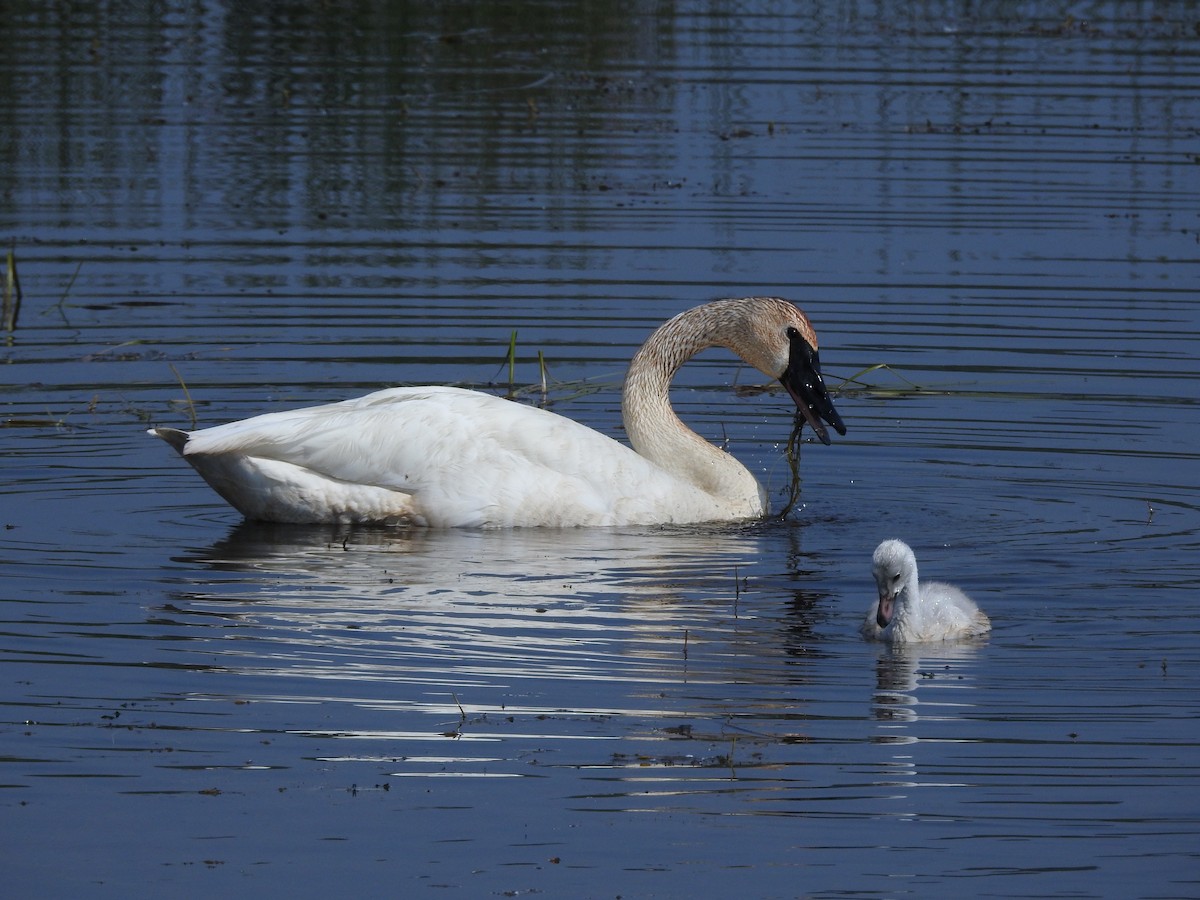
x: 893, y: 566
x: 787, y: 350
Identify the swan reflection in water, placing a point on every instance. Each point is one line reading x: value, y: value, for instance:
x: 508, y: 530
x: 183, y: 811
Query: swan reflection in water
x: 478, y: 607
x: 355, y: 565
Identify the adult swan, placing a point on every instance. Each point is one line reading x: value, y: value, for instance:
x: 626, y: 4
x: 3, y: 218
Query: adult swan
x: 446, y: 457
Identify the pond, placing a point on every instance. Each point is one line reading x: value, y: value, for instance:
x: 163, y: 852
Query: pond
x: 990, y: 216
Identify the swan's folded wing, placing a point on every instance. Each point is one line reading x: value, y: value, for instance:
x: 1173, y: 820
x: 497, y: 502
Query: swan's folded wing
x: 404, y: 437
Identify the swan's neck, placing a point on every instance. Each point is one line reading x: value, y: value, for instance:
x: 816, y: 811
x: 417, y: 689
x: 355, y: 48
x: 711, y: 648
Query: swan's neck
x: 908, y: 602
x: 657, y: 433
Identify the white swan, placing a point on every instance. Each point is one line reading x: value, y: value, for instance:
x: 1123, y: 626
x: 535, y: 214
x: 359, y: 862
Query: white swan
x: 909, y: 611
x: 446, y: 457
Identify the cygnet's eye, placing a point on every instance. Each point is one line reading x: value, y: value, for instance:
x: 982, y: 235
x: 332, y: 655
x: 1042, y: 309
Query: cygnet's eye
x: 792, y: 332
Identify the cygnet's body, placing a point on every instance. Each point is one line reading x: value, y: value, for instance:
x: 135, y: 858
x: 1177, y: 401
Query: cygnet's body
x: 908, y: 611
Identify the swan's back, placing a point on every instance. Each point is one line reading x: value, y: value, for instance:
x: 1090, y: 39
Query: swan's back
x: 947, y: 613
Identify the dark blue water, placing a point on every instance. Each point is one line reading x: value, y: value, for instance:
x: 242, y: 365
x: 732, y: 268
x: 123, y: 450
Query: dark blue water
x: 989, y: 215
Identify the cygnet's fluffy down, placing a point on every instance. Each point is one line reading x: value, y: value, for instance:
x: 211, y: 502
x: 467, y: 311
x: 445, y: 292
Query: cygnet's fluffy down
x: 909, y: 611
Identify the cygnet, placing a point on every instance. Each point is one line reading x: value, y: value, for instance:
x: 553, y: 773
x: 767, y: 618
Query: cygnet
x: 909, y: 611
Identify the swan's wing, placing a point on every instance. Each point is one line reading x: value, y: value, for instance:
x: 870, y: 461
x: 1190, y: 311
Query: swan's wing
x: 402, y: 438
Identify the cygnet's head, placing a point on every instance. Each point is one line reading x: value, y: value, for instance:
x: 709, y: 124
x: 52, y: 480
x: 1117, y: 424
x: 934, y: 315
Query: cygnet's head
x: 892, y: 565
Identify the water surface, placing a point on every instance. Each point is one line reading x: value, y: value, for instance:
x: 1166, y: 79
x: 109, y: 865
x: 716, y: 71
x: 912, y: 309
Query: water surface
x: 990, y: 217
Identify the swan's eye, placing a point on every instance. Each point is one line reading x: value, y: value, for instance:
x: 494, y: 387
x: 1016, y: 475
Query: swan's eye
x: 792, y: 332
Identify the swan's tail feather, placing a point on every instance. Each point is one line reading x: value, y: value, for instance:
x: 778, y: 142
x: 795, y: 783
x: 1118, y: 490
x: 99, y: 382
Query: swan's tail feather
x: 173, y: 436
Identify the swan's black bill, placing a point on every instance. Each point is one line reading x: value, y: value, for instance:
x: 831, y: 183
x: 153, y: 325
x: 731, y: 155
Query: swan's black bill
x: 804, y: 385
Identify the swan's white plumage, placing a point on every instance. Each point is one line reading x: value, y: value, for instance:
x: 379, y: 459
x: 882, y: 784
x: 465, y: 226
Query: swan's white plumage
x: 909, y: 610
x: 445, y: 457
